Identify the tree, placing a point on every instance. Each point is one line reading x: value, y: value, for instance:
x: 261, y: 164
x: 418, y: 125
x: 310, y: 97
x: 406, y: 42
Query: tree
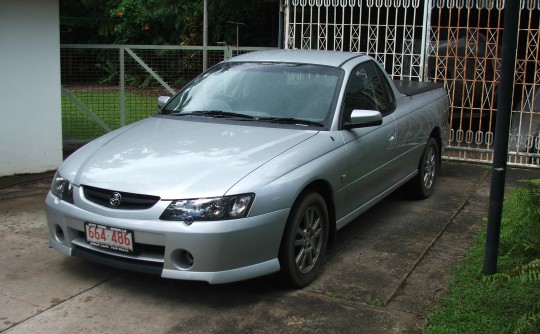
x: 159, y: 21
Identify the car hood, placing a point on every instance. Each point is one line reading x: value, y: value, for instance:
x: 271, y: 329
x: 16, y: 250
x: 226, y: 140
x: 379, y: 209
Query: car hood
x: 174, y: 158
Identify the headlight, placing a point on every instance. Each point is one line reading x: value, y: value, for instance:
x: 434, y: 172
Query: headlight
x: 208, y: 209
x: 62, y: 188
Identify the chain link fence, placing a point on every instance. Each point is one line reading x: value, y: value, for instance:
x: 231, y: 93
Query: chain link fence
x: 105, y: 87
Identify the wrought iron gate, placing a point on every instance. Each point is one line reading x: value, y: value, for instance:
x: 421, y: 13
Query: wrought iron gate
x: 452, y: 41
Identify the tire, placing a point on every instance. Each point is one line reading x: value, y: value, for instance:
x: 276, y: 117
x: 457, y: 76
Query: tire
x: 422, y: 185
x: 304, y: 240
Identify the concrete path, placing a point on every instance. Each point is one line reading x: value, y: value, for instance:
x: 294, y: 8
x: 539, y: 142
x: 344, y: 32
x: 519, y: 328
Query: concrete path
x: 383, y: 274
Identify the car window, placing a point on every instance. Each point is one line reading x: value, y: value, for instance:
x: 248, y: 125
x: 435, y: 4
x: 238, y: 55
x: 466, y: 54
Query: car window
x: 367, y: 89
x: 262, y: 90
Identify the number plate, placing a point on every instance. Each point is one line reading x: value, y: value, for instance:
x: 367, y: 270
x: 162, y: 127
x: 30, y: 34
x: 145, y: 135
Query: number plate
x: 113, y: 238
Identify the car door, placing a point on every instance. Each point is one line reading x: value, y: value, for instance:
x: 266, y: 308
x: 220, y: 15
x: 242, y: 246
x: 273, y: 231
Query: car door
x: 370, y: 149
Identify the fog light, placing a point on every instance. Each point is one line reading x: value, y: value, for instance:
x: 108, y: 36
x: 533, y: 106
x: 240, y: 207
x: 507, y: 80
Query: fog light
x: 182, y: 259
x: 58, y: 233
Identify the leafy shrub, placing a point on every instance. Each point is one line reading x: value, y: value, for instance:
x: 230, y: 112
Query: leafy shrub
x: 520, y: 235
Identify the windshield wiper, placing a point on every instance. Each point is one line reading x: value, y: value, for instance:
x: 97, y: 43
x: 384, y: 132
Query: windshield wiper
x: 219, y: 114
x: 288, y: 120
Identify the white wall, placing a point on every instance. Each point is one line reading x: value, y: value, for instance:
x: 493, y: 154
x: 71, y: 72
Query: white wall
x: 30, y: 106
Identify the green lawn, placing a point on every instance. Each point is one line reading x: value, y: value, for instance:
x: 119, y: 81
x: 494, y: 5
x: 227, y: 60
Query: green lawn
x: 476, y: 304
x: 106, y: 105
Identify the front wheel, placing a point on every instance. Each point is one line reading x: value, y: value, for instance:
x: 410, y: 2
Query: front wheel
x: 424, y: 182
x: 304, y: 241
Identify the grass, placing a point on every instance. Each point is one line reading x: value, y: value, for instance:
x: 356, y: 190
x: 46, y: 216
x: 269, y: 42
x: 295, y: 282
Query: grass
x: 478, y: 304
x: 106, y: 105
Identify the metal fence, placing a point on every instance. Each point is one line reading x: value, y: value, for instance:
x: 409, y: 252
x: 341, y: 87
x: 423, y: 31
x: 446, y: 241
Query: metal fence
x: 457, y: 42
x: 105, y: 87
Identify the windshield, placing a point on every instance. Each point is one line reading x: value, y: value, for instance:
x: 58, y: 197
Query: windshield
x: 260, y: 91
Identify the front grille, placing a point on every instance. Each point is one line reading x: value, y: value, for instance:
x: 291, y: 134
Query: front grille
x: 129, y: 201
x: 149, y: 250
x: 118, y: 262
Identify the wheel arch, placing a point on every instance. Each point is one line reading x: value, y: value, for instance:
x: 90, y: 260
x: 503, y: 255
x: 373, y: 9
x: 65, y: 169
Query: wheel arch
x: 436, y: 134
x: 325, y: 190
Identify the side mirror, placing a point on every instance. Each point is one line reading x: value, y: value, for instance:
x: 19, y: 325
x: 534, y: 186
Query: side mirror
x: 364, y: 118
x: 162, y: 100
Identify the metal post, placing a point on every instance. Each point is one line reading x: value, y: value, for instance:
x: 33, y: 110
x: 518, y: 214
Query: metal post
x: 205, y: 34
x: 504, y: 105
x: 286, y: 10
x: 122, y: 88
x: 280, y: 25
x: 425, y: 41
x: 237, y: 30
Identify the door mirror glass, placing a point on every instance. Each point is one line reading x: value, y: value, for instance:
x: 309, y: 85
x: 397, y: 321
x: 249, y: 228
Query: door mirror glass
x: 162, y: 100
x: 364, y: 118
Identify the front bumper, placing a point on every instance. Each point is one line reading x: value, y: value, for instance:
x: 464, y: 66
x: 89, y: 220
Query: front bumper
x: 220, y: 251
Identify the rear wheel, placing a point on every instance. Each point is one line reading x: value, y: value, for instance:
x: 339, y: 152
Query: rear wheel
x: 423, y: 184
x: 304, y: 240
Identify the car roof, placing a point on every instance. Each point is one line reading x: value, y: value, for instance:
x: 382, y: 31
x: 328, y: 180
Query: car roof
x: 315, y: 57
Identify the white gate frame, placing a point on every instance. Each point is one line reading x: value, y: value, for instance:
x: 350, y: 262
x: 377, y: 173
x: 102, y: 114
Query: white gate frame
x: 375, y: 28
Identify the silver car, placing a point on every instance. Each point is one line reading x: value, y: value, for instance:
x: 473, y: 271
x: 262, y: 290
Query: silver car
x: 250, y: 169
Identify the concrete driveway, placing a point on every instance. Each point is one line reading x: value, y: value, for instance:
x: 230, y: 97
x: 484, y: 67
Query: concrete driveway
x: 383, y: 274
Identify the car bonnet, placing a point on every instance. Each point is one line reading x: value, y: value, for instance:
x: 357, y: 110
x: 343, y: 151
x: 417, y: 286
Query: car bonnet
x: 174, y: 158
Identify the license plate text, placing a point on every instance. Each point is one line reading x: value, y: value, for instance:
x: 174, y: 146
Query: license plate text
x: 113, y: 238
